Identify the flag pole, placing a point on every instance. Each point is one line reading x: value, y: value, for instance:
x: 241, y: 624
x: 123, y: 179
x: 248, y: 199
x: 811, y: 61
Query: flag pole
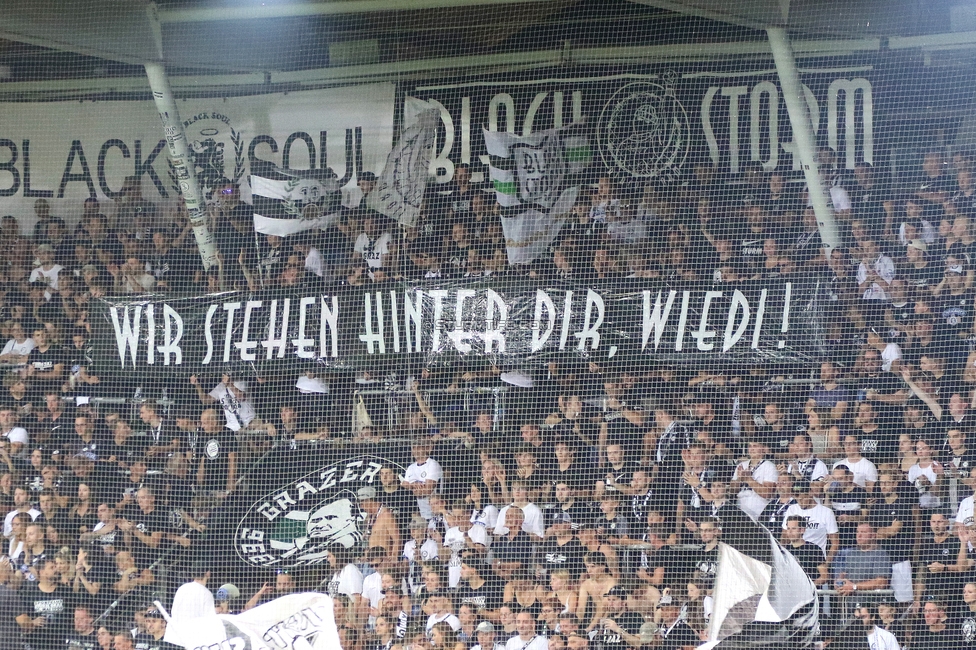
x: 179, y: 154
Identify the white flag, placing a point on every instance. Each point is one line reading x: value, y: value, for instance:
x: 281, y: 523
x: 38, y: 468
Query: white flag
x: 528, y: 235
x: 400, y: 189
x: 292, y: 622
x: 536, y: 168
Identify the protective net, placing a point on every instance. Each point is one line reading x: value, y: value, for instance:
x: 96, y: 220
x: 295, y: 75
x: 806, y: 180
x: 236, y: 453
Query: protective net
x: 540, y: 325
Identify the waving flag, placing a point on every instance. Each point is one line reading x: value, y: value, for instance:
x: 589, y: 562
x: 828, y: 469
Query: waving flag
x: 762, y: 597
x: 400, y: 189
x: 295, y: 622
x: 289, y: 201
x: 536, y: 178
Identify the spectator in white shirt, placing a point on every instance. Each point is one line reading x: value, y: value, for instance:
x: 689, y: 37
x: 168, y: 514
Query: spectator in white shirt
x: 865, y: 472
x: 46, y: 272
x: 532, y: 523
x: 12, y: 436
x: 755, y: 480
x: 423, y: 477
x: 821, y: 528
x: 18, y: 347
x: 233, y: 398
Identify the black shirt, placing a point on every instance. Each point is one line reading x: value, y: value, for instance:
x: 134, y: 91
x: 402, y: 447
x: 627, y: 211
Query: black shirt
x: 488, y: 596
x: 216, y: 450
x: 679, y: 636
x: 884, y: 514
x: 56, y: 610
x: 147, y: 524
x: 569, y: 556
x: 629, y: 622
x: 810, y: 556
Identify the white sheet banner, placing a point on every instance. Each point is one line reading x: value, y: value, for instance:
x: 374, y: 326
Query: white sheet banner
x: 293, y: 622
x: 67, y: 151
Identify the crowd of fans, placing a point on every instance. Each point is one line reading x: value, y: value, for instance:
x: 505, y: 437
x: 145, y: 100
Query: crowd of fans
x: 587, y: 511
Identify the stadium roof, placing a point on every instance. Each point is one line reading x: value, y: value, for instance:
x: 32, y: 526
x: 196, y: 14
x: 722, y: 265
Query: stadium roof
x: 208, y: 43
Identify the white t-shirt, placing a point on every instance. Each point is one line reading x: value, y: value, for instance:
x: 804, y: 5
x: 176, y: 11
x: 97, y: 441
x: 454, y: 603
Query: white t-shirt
x: 815, y: 473
x: 820, y: 523
x: 429, y: 470
x: 348, y: 582
x: 49, y: 277
x: 192, y: 600
x: 17, y: 434
x: 532, y: 523
x: 482, y: 522
x: 538, y: 642
x: 749, y: 500
x: 428, y: 551
x: 238, y: 413
x: 373, y: 251
x: 881, y: 639
x: 13, y: 347
x: 448, y: 618
x: 926, y: 499
x: 455, y: 541
x: 8, y: 521
x: 964, y: 515
x: 864, y: 471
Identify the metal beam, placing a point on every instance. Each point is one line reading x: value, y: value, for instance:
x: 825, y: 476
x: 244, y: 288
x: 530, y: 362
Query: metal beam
x: 796, y: 106
x: 300, y: 9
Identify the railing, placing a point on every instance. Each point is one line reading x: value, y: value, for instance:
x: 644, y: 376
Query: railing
x: 393, y: 402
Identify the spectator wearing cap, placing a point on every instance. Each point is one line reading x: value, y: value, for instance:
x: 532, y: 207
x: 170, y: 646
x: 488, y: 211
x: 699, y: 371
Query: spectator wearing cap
x: 810, y: 556
x: 561, y: 549
x: 675, y: 633
x: 417, y: 551
x: 156, y: 628
x: 820, y: 523
x: 381, y: 528
x: 618, y: 628
x: 921, y: 272
x: 485, y: 634
x: 225, y: 598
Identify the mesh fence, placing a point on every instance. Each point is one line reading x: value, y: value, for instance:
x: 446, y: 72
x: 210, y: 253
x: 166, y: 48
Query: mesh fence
x: 531, y: 325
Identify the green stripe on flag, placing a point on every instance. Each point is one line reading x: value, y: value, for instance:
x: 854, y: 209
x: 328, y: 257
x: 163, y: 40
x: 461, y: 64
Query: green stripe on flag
x: 505, y: 187
x: 579, y: 154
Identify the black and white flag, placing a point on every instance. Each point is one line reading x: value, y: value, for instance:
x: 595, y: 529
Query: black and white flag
x: 536, y: 180
x: 289, y: 201
x: 400, y: 189
x: 762, y: 597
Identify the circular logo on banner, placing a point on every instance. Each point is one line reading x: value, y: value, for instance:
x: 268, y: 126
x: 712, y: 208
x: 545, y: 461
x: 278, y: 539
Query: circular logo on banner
x: 299, y: 523
x: 643, y: 131
x: 216, y: 151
